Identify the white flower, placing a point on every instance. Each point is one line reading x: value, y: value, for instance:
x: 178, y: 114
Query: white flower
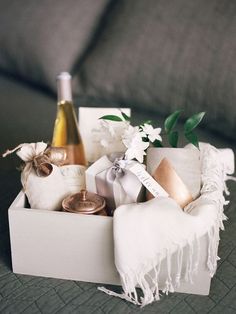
x: 131, y: 133
x: 107, y: 127
x: 132, y: 139
x: 152, y: 134
x: 110, y: 134
x: 136, y: 149
x: 107, y: 133
x: 104, y: 142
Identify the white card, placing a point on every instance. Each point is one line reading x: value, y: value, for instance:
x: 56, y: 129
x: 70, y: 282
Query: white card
x: 150, y: 184
x: 92, y: 132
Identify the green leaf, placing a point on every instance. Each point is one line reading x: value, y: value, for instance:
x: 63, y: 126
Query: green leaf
x: 157, y: 143
x: 192, y: 138
x: 171, y: 121
x: 173, y: 138
x: 111, y: 118
x: 147, y: 122
x: 124, y: 115
x: 193, y: 121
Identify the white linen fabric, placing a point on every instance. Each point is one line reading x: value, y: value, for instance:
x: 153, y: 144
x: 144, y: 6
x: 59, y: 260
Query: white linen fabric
x: 42, y: 192
x: 47, y: 192
x: 146, y: 233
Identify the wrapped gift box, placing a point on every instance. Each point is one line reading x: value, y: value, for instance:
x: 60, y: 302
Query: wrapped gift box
x: 77, y: 247
x: 116, y: 186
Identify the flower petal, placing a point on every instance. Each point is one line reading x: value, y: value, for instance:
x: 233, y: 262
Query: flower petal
x: 147, y: 128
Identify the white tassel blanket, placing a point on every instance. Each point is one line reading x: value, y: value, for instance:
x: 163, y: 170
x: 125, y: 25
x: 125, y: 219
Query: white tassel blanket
x: 147, y: 233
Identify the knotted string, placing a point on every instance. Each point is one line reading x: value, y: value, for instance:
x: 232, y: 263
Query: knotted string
x: 38, y: 156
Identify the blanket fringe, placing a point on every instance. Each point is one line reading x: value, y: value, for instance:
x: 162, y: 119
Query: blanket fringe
x: 150, y: 284
x: 119, y: 295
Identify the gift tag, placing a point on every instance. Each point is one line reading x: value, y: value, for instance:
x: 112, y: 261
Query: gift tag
x: 147, y: 180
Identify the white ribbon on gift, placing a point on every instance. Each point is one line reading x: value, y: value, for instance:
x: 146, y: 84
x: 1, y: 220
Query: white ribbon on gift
x: 120, y: 181
x: 117, y: 183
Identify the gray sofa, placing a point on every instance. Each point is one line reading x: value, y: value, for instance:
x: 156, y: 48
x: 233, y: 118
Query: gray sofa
x: 153, y: 56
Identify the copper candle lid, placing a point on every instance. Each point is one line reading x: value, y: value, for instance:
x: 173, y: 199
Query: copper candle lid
x: 84, y: 203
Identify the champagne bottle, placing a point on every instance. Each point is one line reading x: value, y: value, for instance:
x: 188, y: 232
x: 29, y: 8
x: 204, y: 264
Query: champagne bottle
x: 66, y: 133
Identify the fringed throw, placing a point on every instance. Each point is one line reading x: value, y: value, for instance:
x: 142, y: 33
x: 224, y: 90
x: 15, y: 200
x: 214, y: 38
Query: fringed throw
x: 150, y: 236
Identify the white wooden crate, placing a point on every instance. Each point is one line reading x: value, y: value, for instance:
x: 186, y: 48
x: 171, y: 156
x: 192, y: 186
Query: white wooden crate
x: 77, y: 247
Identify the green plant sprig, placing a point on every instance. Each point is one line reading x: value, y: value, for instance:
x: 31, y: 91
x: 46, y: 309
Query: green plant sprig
x: 189, y: 125
x: 116, y: 118
x: 169, y: 127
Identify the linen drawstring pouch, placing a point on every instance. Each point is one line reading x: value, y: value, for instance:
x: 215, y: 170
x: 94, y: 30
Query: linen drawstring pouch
x: 42, y: 181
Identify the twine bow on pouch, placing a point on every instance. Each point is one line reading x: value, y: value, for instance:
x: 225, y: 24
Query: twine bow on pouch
x: 38, y: 157
x: 41, y: 177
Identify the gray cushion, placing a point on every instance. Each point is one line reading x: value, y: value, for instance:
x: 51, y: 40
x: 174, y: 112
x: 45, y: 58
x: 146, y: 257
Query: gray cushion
x: 39, y: 39
x: 163, y: 55
x: 27, y: 115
